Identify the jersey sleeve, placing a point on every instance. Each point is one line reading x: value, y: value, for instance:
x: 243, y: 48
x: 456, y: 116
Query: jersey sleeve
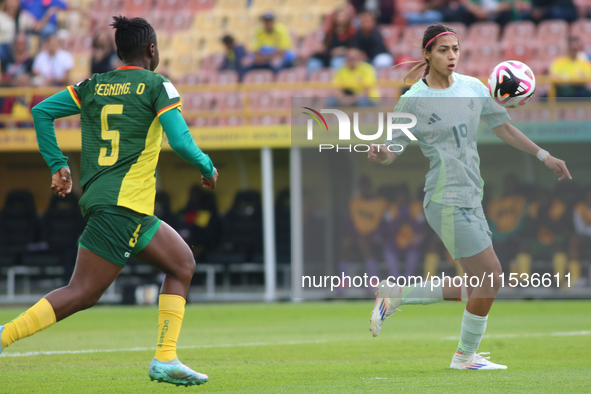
x: 398, y: 136
x: 165, y: 96
x: 76, y: 91
x: 492, y: 113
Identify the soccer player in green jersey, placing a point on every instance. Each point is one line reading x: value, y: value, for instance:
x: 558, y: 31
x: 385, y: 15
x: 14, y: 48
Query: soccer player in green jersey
x: 448, y: 107
x: 123, y: 115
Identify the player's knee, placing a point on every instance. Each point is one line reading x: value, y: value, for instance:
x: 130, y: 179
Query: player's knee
x: 187, y: 266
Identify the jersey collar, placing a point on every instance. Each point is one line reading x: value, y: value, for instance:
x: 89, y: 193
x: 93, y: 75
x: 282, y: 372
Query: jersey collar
x: 129, y: 68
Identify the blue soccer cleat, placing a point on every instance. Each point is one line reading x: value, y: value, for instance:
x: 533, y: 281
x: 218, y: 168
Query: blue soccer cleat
x: 175, y: 372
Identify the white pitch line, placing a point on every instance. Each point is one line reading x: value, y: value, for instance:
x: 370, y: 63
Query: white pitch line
x: 535, y: 334
x: 140, y: 349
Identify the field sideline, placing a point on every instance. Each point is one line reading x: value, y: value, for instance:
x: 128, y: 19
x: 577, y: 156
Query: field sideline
x: 320, y: 347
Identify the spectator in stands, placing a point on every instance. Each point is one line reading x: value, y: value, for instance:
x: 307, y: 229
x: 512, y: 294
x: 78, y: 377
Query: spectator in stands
x: 104, y: 56
x: 369, y: 40
x: 553, y: 9
x: 506, y: 217
x: 337, y: 38
x: 234, y: 56
x: 470, y: 11
x: 12, y: 21
x: 365, y: 217
x: 44, y: 13
x: 573, y: 66
x: 384, y: 9
x: 404, y: 223
x: 582, y: 238
x: 18, y: 61
x: 355, y: 82
x: 273, y: 47
x: 429, y: 13
x: 52, y: 65
x: 546, y: 230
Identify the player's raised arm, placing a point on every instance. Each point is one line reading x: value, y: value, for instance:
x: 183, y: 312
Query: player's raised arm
x: 514, y: 137
x: 57, y: 106
x: 182, y: 144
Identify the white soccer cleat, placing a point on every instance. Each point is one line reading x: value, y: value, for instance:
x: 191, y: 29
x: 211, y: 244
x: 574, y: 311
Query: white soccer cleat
x: 387, y: 300
x: 473, y: 361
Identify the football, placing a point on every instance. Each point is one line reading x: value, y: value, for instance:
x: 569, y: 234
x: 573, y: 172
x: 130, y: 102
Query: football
x: 511, y: 84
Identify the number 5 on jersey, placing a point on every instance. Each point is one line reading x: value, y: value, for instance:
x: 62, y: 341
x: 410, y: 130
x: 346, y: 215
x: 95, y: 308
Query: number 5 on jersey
x: 109, y: 135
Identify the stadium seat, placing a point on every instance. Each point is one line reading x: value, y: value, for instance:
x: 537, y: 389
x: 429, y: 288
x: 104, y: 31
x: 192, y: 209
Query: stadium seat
x: 173, y: 22
x: 105, y: 6
x: 225, y: 78
x: 324, y: 75
x: 259, y: 76
x: 552, y: 50
x: 260, y: 6
x: 183, y: 43
x: 581, y: 28
x: 413, y: 35
x: 168, y: 5
x: 393, y: 73
x: 304, y: 22
x: 195, y: 6
x: 483, y: 32
x: 61, y: 226
x: 459, y: 28
x: 227, y: 101
x: 202, y: 101
x: 243, y: 229
x: 484, y: 52
x: 519, y: 31
x: 232, y: 5
x: 212, y: 62
x: 522, y: 52
x: 137, y: 8
x: 182, y: 65
x: 19, y: 223
x: 207, y: 21
x: 297, y: 74
x: 410, y: 51
x: 261, y: 100
x: 553, y: 31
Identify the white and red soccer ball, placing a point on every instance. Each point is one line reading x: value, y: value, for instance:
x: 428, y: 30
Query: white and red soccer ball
x: 512, y: 84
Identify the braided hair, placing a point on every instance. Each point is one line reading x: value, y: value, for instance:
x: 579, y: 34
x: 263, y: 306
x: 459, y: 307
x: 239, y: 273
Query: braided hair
x: 132, y: 36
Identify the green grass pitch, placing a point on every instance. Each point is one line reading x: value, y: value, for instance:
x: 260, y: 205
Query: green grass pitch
x: 320, y: 347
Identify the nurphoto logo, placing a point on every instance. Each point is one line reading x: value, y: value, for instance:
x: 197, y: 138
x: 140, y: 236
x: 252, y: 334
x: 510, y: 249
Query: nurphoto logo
x: 344, y: 131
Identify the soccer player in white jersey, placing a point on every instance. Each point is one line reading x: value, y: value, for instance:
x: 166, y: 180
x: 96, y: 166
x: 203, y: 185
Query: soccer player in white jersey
x: 448, y: 107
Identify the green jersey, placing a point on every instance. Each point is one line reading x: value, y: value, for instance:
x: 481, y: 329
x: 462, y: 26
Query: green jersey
x: 122, y: 136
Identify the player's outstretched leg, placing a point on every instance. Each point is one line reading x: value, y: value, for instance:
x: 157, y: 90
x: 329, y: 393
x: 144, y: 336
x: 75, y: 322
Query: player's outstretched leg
x: 476, y: 313
x: 390, y: 296
x: 169, y: 253
x: 92, y: 276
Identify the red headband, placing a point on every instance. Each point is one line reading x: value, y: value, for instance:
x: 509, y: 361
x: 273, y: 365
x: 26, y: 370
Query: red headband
x: 440, y: 34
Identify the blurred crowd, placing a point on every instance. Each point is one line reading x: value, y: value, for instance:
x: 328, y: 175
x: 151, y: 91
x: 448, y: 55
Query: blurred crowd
x: 529, y: 225
x: 352, y: 43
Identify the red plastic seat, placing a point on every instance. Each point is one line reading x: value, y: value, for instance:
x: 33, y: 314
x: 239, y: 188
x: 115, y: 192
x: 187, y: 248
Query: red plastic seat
x: 552, y: 50
x: 168, y: 5
x: 484, y: 32
x: 106, y: 6
x: 261, y: 100
x: 259, y: 76
x: 413, y: 34
x: 519, y: 31
x: 201, y: 101
x: 582, y: 29
x: 460, y: 30
x: 484, y: 52
x: 137, y: 8
x: 226, y: 101
x: 324, y: 75
x: 297, y: 74
x: 194, y: 6
x: 311, y: 44
x: 225, y: 78
x: 522, y: 52
x: 553, y: 31
x: 212, y: 62
x: 391, y: 34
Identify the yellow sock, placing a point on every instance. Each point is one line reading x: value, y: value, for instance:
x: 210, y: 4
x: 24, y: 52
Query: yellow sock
x: 431, y: 263
x: 170, y: 319
x: 38, y: 318
x: 559, y: 263
x: 523, y: 262
x: 574, y: 267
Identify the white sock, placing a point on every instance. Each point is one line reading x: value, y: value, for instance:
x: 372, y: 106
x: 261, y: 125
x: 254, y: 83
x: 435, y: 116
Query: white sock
x: 473, y: 328
x: 422, y: 294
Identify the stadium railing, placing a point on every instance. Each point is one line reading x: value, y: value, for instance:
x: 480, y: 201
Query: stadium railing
x: 247, y: 111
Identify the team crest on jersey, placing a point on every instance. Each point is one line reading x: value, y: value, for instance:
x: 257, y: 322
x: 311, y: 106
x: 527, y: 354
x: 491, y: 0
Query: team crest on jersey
x: 471, y: 105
